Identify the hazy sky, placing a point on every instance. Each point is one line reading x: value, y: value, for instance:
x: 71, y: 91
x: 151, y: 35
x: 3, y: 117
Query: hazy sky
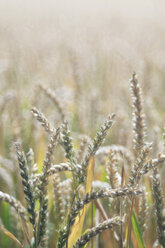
x: 37, y: 28
x: 10, y: 9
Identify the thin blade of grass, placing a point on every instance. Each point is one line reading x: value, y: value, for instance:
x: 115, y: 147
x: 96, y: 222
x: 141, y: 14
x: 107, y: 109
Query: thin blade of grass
x: 137, y: 231
x: 121, y: 212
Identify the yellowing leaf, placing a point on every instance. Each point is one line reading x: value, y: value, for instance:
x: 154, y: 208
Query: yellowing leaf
x: 78, y: 225
x: 41, y: 151
x: 90, y: 172
x: 10, y: 235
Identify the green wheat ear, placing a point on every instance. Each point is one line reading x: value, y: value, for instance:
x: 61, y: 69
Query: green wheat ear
x: 159, y: 206
x: 29, y: 197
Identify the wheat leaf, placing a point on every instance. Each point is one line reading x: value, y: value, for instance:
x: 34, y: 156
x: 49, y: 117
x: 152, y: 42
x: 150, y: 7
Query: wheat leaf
x: 137, y: 231
x: 78, y: 225
x: 41, y: 151
x: 10, y: 235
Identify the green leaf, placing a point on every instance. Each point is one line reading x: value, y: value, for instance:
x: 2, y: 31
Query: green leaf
x: 10, y: 235
x: 5, y: 217
x: 137, y: 231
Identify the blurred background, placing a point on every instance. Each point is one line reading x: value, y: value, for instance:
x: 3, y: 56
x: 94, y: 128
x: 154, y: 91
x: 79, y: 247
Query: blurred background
x: 88, y: 49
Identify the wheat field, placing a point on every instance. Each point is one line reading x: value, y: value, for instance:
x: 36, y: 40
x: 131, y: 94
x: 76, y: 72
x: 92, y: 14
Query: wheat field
x: 82, y: 124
